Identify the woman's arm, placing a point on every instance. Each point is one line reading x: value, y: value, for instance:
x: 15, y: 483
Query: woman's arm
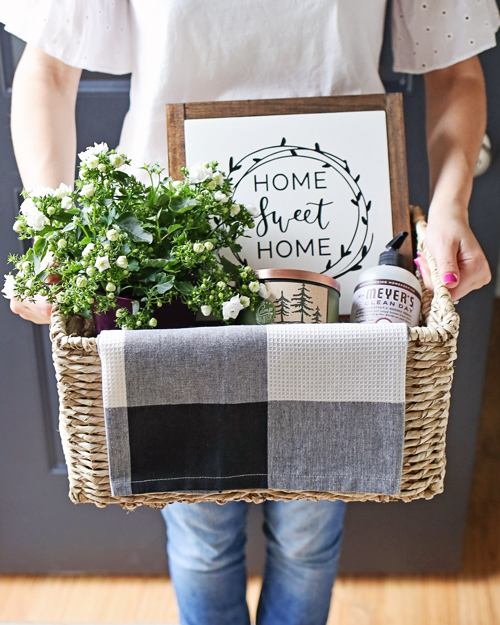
x: 44, y: 135
x: 456, y: 122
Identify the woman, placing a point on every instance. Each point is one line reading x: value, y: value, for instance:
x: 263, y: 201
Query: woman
x: 190, y: 50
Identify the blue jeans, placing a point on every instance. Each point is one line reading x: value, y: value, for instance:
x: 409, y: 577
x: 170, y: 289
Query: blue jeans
x: 207, y: 562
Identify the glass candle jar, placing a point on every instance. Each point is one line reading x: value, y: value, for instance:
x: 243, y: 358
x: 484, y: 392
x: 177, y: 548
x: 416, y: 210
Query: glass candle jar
x: 296, y: 297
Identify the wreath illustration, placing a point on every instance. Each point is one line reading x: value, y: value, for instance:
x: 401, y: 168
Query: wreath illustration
x: 351, y: 253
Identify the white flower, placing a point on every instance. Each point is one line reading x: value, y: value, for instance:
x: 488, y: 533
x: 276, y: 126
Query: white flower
x: 81, y: 281
x: 177, y: 184
x: 28, y: 206
x: 221, y: 284
x: 36, y: 220
x: 209, y: 246
x: 88, y: 190
x: 122, y: 262
x: 231, y: 309
x: 264, y: 291
x: 88, y: 249
x: 62, y: 191
x: 18, y: 227
x: 254, y: 287
x: 42, y: 192
x: 221, y: 197
x: 9, y: 287
x: 211, y: 185
x: 245, y: 301
x: 62, y: 243
x: 97, y: 148
x: 198, y: 248
x: 198, y: 173
x: 90, y: 271
x: 61, y: 298
x: 92, y: 161
x: 206, y: 310
x: 51, y: 210
x: 153, y: 322
x: 110, y: 287
x: 102, y: 263
x: 116, y: 160
x: 235, y: 209
x: 112, y: 235
x: 67, y: 203
x: 252, y: 210
x: 218, y: 178
x: 101, y: 167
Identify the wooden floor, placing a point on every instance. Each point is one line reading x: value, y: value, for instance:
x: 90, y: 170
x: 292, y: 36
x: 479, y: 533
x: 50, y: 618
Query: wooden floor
x: 470, y: 598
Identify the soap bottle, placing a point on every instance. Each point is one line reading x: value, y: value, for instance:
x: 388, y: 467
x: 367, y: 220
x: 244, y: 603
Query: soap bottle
x: 388, y: 293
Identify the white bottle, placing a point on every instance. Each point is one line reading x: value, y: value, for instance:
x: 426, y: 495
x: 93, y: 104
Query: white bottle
x: 388, y: 293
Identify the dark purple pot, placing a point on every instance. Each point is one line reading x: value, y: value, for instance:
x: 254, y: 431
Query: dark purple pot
x: 174, y: 315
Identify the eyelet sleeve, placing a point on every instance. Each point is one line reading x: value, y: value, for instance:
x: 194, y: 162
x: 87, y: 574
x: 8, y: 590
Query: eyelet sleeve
x: 432, y: 34
x: 89, y: 34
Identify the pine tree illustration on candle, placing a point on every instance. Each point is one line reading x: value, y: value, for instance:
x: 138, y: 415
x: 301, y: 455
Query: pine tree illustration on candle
x: 302, y: 299
x: 282, y: 308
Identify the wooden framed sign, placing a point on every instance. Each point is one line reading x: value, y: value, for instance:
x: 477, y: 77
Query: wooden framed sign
x: 328, y: 176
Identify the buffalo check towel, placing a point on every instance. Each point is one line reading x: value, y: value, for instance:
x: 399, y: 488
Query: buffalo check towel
x: 299, y: 407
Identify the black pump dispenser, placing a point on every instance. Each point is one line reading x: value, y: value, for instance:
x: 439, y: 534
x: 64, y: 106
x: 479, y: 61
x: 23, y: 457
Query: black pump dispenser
x: 392, y: 255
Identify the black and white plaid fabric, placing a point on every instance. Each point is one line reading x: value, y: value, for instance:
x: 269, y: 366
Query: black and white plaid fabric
x: 299, y: 406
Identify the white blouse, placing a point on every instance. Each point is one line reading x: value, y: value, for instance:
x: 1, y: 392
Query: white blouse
x: 194, y: 50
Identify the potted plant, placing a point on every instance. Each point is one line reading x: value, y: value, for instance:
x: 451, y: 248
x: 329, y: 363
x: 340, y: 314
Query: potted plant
x: 156, y: 242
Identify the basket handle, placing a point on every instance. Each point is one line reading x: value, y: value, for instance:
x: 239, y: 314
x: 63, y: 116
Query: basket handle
x: 442, y: 315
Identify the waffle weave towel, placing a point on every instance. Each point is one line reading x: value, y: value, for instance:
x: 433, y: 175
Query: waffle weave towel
x: 299, y: 406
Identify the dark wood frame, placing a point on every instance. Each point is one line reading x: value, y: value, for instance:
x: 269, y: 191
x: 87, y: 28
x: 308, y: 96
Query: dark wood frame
x: 391, y: 103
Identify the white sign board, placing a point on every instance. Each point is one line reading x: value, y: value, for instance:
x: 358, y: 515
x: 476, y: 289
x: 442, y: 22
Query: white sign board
x: 320, y: 181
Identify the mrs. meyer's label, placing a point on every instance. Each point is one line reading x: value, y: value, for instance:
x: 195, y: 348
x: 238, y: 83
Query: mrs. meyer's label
x: 385, y: 301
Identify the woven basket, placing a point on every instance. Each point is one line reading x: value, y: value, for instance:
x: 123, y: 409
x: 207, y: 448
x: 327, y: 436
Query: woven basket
x: 429, y: 374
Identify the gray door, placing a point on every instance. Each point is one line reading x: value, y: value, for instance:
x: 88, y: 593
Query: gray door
x: 41, y: 531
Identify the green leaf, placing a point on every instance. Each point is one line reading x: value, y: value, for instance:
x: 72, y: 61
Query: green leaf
x: 173, y: 228
x: 148, y: 274
x: 69, y: 227
x: 133, y: 265
x: 64, y: 217
x: 133, y: 227
x: 154, y: 262
x: 182, y: 204
x: 39, y: 251
x: 85, y: 313
x: 163, y: 200
x: 184, y: 287
x: 121, y: 176
x: 166, y: 284
x: 230, y: 267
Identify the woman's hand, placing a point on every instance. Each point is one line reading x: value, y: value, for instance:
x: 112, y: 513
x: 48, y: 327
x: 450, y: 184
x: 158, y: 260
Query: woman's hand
x: 44, y: 136
x: 460, y: 260
x: 37, y: 311
x: 456, y: 122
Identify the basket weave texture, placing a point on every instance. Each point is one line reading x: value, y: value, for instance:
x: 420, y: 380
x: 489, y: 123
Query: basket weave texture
x: 429, y: 375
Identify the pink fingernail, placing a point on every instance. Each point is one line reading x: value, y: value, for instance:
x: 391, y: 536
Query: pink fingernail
x: 417, y: 262
x: 450, y: 278
x: 419, y: 254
